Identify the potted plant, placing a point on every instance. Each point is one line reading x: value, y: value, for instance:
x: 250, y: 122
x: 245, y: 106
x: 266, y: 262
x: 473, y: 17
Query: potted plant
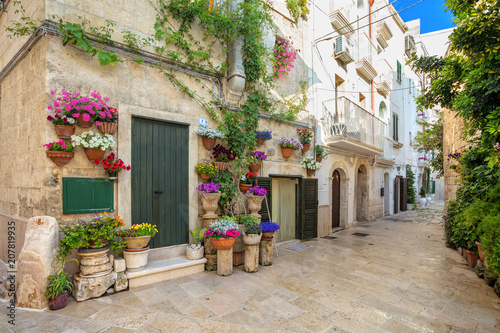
x: 310, y: 164
x: 195, y: 250
x: 422, y: 197
x: 59, y: 285
x: 205, y: 170
x: 210, y: 196
x: 209, y: 136
x: 256, y: 195
x: 320, y: 153
x: 60, y: 152
x: 288, y: 145
x: 268, y: 229
x: 252, y: 229
x: 63, y: 123
x: 106, y: 120
x: 255, y: 160
x: 223, y: 233
x: 222, y: 157
x: 136, y: 240
x: 251, y: 239
x: 246, y: 181
x: 94, y: 145
x: 263, y: 136
x: 112, y: 165
x: 305, y: 138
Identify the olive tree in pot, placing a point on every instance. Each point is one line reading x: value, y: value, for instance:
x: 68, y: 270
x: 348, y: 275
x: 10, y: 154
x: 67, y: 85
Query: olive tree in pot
x: 195, y: 250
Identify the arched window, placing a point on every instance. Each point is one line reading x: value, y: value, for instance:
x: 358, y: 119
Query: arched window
x: 381, y: 110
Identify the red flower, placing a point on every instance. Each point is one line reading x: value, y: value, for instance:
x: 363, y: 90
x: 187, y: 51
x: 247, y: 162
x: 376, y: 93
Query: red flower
x: 121, y: 163
x: 112, y: 155
x: 115, y: 165
x: 96, y: 162
x: 113, y: 168
x: 109, y: 158
x: 106, y: 168
x: 128, y: 168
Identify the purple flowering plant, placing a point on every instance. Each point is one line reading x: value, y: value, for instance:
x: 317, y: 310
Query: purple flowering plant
x: 293, y: 143
x: 269, y: 226
x: 257, y: 157
x: 257, y: 190
x: 209, y: 187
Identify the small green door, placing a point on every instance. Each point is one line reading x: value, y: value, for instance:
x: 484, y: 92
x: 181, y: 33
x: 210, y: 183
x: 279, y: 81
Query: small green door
x: 160, y: 179
x: 309, y: 208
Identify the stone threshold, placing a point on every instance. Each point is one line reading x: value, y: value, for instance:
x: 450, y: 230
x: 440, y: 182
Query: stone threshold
x: 166, y: 269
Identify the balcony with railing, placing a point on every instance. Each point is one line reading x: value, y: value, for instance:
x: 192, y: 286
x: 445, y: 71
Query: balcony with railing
x: 383, y: 84
x: 365, y: 53
x: 339, y: 20
x: 387, y: 158
x: 349, y: 127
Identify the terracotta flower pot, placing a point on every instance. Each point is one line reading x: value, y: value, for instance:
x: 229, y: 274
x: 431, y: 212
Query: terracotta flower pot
x: 136, y: 242
x: 210, y: 202
x: 94, y: 153
x: 306, y: 147
x: 208, y: 142
x: 59, y: 302
x: 64, y: 131
x: 60, y: 158
x: 83, y: 123
x: 311, y: 172
x: 471, y: 258
x: 221, y: 165
x: 223, y: 243
x: 319, y: 159
x: 267, y: 235
x: 260, y: 141
x: 255, y: 204
x: 204, y: 176
x: 108, y: 128
x: 138, y: 250
x: 286, y: 152
x: 245, y: 187
x: 254, y: 167
x: 482, y: 255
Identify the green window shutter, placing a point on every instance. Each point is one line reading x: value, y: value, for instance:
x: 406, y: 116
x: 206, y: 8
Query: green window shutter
x: 395, y: 127
x: 338, y: 45
x: 433, y: 187
x: 399, y: 71
x: 87, y: 195
x: 265, y: 182
x: 309, y: 218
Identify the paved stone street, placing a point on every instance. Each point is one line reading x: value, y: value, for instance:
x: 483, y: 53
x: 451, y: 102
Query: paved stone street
x: 398, y: 278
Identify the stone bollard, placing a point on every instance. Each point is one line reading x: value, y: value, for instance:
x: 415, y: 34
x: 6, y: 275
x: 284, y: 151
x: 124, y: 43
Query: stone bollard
x: 252, y: 242
x: 266, y: 252
x: 225, y: 262
x: 210, y: 250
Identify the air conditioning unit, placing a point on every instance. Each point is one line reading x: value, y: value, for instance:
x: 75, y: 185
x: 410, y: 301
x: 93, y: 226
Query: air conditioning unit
x: 343, y: 50
x: 409, y: 45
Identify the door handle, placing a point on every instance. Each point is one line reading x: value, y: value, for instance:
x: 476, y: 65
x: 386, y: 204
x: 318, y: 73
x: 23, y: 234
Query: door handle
x: 158, y: 192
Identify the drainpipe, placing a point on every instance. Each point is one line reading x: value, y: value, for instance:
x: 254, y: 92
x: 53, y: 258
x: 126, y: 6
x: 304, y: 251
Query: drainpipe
x: 236, y: 75
x: 371, y: 82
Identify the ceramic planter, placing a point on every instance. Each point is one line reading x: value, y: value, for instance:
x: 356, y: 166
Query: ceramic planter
x: 422, y: 202
x: 208, y: 142
x: 83, y: 123
x: 221, y: 165
x: 135, y: 261
x: 94, y: 153
x: 319, y: 159
x: 112, y: 175
x: 136, y: 242
x: 260, y: 141
x: 59, y: 302
x: 482, y: 255
x: 194, y: 254
x: 245, y: 187
x: 223, y: 243
x: 427, y: 201
x: 204, y: 176
x: 267, y: 235
x: 255, y: 204
x: 65, y: 132
x: 254, y: 167
x: 210, y: 202
x: 306, y: 147
x: 108, y: 128
x: 472, y: 258
x: 286, y: 152
x: 60, y: 158
x: 311, y: 172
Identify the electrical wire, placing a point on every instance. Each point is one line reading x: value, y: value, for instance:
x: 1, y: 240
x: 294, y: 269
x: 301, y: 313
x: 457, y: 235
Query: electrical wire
x: 365, y: 92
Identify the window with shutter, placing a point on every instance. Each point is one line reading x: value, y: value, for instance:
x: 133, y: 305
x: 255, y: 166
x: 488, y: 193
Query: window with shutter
x: 395, y: 127
x: 87, y: 195
x: 265, y: 182
x: 399, y: 71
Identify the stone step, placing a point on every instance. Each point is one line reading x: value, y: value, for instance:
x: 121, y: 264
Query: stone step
x: 166, y: 269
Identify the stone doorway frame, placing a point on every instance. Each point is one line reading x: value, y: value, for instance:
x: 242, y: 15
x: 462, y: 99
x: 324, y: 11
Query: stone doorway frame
x: 344, y: 193
x: 361, y: 191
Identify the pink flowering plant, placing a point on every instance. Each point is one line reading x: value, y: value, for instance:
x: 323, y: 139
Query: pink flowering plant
x: 209, y: 187
x: 293, y: 143
x: 73, y: 104
x: 257, y: 190
x: 283, y: 57
x: 224, y: 227
x: 59, y: 146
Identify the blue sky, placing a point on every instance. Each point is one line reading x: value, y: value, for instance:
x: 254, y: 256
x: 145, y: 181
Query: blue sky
x: 431, y: 13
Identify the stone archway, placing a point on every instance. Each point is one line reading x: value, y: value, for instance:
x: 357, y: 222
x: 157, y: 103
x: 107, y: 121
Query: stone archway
x: 338, y: 192
x: 361, y: 195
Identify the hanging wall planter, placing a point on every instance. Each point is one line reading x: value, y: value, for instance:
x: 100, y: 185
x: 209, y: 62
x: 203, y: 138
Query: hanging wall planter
x: 64, y: 131
x: 204, y: 177
x: 221, y: 165
x: 260, y: 141
x: 286, y: 152
x: 254, y: 167
x: 94, y: 153
x: 108, y: 128
x: 319, y: 159
x: 244, y: 187
x: 83, y: 123
x: 208, y: 143
x: 311, y: 172
x: 60, y: 158
x: 305, y: 147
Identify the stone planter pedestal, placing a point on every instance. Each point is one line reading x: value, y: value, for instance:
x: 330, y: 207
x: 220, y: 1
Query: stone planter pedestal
x: 225, y: 262
x: 266, y: 252
x: 239, y: 248
x: 255, y: 204
x: 252, y: 242
x: 210, y: 250
x: 209, y: 202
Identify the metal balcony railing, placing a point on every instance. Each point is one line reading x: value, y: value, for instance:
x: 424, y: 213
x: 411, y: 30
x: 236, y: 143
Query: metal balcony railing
x: 353, y: 122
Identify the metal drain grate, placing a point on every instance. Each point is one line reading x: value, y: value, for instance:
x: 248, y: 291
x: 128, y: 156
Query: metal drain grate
x: 329, y: 237
x: 360, y: 234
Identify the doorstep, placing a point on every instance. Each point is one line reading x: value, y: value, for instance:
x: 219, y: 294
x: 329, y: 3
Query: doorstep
x: 166, y: 269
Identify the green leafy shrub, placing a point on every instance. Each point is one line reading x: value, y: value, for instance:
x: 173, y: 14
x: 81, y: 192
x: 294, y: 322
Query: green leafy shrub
x: 490, y: 237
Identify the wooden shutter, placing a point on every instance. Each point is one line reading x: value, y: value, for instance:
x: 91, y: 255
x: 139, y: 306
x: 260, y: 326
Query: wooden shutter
x: 87, y: 195
x: 404, y: 194
x: 309, y: 208
x: 265, y: 182
x: 399, y: 71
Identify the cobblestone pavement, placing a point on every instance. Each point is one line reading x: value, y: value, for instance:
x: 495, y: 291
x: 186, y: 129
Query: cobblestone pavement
x: 398, y: 278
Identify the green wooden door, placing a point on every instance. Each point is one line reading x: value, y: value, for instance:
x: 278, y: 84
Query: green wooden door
x: 309, y: 208
x: 160, y: 179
